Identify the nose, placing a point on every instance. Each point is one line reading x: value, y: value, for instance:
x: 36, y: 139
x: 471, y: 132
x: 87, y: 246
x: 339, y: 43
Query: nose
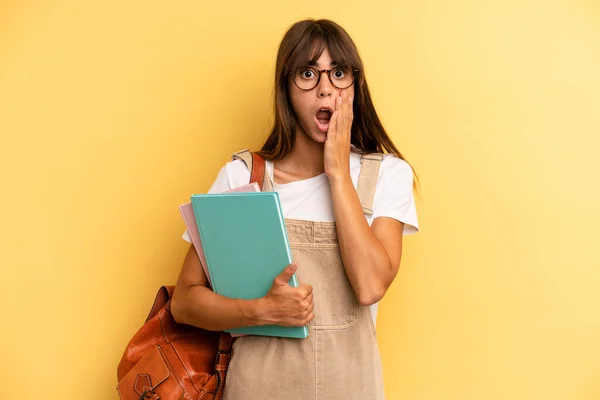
x: 325, y: 88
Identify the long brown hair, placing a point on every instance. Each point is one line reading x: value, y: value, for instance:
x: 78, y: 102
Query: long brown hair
x: 303, y: 43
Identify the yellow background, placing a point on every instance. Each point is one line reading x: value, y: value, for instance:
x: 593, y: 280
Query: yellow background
x: 112, y: 113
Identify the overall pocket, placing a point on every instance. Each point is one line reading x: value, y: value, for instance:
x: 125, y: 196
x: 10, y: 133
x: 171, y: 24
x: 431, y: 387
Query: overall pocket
x: 320, y: 265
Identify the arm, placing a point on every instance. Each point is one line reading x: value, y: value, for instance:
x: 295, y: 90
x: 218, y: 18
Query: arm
x: 371, y: 255
x: 195, y: 304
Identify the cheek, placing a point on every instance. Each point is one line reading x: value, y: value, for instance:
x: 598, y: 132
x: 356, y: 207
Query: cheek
x: 350, y: 91
x: 300, y: 103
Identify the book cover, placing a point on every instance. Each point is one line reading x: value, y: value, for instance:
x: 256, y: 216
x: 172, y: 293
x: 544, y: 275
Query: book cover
x: 245, y: 243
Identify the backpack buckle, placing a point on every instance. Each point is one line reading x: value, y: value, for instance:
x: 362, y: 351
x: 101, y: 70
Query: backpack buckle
x: 219, y: 353
x: 149, y: 395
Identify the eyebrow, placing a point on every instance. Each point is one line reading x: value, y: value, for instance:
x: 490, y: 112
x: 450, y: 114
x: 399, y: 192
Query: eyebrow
x: 314, y: 63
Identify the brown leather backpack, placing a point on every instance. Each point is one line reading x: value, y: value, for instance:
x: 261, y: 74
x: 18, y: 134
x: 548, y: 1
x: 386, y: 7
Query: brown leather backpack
x: 169, y: 361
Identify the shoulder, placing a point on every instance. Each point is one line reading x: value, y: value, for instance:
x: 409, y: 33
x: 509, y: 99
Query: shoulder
x: 237, y: 173
x: 237, y: 167
x: 391, y: 170
x: 395, y: 171
x: 394, y: 196
x: 232, y: 175
x: 395, y: 179
x: 390, y: 163
x: 393, y: 167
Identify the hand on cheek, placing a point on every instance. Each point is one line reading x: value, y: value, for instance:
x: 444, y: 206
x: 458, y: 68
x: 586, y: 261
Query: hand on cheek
x: 337, y: 145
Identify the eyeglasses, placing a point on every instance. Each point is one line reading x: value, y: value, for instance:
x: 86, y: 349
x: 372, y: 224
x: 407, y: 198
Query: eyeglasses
x: 307, y: 78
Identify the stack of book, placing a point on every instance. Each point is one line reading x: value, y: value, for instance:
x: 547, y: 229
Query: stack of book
x: 242, y: 244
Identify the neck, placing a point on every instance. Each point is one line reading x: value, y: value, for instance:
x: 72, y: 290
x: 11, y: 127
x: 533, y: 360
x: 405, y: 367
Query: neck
x: 306, y: 158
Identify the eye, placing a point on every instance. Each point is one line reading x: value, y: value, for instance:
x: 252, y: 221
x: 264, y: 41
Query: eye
x: 338, y: 73
x: 307, y: 74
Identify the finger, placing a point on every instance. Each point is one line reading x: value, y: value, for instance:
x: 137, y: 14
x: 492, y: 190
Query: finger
x: 309, y: 288
x: 331, y: 131
x: 339, y: 107
x: 305, y: 291
x: 309, y: 319
x: 284, y: 277
x: 347, y: 112
x: 310, y: 301
x: 348, y: 107
x: 342, y: 117
x: 306, y: 313
x: 349, y: 118
x: 340, y: 122
x: 339, y: 103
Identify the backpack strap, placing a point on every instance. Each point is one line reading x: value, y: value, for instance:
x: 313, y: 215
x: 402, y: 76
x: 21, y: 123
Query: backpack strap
x: 162, y: 298
x: 222, y: 362
x: 257, y: 167
x: 367, y: 180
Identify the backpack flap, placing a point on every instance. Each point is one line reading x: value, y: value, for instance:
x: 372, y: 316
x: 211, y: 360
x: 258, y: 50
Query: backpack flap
x: 150, y: 376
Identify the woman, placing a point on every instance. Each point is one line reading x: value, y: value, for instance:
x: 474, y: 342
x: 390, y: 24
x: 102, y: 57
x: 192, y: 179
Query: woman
x: 346, y: 242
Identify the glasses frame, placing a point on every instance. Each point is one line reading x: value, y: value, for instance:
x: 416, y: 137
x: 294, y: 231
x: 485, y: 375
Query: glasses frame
x: 355, y: 71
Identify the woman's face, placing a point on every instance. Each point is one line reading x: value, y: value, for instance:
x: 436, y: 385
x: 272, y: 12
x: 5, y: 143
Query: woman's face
x: 309, y: 106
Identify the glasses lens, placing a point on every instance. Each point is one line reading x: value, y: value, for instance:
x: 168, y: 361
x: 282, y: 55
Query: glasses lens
x: 306, y: 78
x: 342, y: 77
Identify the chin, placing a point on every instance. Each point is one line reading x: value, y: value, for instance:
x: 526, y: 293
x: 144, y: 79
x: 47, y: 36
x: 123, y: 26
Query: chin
x: 319, y: 137
x: 314, y: 135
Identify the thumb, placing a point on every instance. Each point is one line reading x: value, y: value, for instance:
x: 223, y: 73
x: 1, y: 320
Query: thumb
x: 284, y: 277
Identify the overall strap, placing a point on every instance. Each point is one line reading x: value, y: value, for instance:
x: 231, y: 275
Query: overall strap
x: 257, y: 168
x: 367, y: 180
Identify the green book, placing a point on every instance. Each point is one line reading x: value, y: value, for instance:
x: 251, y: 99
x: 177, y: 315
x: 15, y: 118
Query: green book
x: 246, y: 246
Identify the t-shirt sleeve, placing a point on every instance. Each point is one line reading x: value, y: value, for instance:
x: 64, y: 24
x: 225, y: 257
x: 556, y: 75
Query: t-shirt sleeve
x: 221, y: 184
x: 394, y: 194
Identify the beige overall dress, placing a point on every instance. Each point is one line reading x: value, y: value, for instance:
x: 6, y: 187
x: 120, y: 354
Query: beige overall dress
x: 340, y: 358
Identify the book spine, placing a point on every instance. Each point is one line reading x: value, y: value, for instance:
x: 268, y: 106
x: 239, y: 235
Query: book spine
x: 214, y: 284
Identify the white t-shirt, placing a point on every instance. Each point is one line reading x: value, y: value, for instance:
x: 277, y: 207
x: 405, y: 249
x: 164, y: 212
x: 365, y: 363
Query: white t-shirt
x: 310, y: 199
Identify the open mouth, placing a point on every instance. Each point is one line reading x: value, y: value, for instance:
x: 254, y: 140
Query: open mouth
x: 323, y: 117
